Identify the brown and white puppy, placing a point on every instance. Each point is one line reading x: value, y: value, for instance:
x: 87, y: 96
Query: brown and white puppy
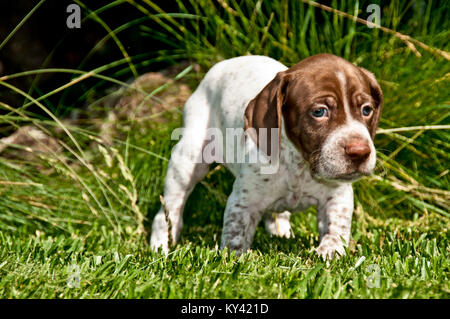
x: 311, y: 129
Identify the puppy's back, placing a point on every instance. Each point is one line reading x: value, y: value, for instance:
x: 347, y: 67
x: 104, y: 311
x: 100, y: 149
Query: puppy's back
x: 226, y: 89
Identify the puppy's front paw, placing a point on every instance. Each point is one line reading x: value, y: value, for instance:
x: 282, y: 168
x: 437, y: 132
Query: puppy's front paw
x: 330, y: 247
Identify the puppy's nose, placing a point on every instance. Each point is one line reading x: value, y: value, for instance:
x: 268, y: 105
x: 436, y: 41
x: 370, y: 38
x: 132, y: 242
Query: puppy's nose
x: 357, y: 150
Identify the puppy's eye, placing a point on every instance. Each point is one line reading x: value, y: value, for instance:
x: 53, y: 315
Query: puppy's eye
x: 366, y: 110
x: 320, y: 112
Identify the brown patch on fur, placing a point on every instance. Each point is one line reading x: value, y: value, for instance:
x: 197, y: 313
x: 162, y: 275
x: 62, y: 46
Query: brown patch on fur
x: 295, y: 92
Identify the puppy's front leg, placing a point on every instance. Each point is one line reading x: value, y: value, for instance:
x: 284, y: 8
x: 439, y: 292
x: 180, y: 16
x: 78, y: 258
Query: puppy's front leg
x: 334, y: 222
x: 242, y: 215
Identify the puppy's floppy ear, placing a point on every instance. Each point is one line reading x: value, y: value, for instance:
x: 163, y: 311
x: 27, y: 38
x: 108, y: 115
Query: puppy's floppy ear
x: 264, y: 111
x: 377, y: 95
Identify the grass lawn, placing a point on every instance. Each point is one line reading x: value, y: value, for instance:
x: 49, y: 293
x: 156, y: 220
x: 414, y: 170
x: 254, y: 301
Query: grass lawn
x: 74, y: 222
x: 400, y: 262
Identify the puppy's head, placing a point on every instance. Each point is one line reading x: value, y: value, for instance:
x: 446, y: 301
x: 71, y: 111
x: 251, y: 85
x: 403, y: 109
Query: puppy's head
x: 330, y: 109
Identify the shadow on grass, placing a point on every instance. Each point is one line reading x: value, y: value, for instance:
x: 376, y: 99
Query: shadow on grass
x: 203, y: 220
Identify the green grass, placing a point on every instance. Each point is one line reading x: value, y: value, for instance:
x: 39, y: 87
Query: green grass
x: 95, y: 199
x: 411, y: 264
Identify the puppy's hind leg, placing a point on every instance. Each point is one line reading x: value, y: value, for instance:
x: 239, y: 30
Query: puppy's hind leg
x: 179, y: 184
x: 278, y: 224
x: 186, y: 168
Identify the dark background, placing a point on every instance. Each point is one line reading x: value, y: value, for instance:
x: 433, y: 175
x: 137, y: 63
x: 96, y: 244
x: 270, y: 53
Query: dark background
x: 45, y: 41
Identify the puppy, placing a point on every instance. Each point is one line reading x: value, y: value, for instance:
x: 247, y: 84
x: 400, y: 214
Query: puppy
x: 311, y: 129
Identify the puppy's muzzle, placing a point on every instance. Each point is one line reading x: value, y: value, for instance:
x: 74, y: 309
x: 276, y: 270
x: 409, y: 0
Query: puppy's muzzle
x: 357, y: 150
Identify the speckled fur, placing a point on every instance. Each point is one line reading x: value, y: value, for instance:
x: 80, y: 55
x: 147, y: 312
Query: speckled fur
x: 220, y: 102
